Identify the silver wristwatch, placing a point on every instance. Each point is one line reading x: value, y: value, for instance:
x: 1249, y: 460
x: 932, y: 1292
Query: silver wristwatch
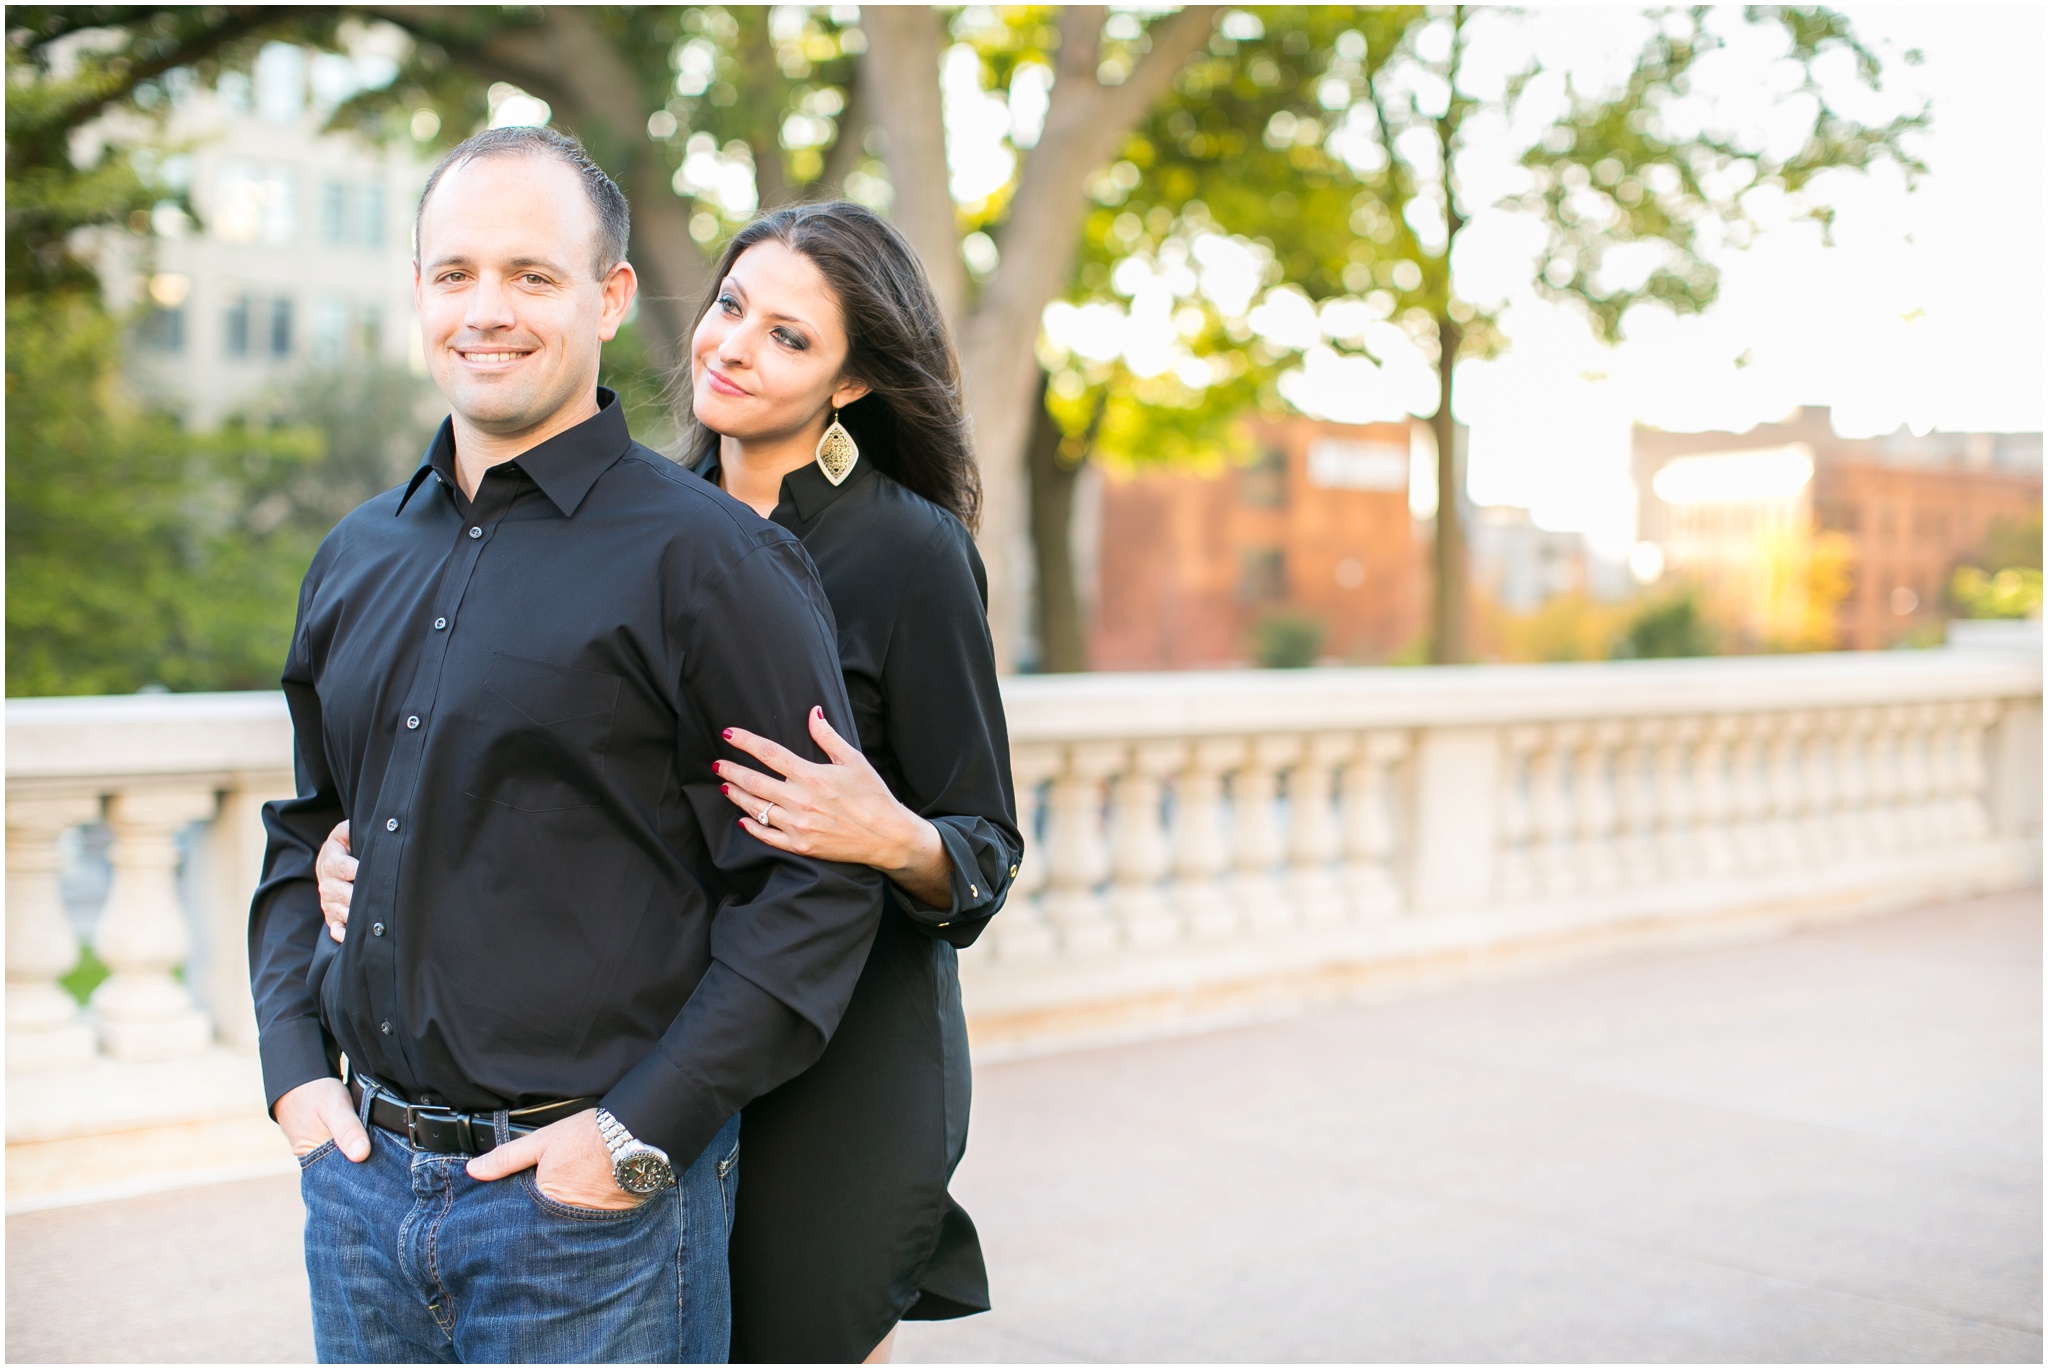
x: 637, y: 1167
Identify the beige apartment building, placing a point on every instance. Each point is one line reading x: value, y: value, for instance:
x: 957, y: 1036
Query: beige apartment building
x: 302, y: 253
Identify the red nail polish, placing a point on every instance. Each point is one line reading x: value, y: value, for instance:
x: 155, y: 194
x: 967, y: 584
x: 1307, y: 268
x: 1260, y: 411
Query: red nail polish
x: 725, y: 789
x: 727, y: 734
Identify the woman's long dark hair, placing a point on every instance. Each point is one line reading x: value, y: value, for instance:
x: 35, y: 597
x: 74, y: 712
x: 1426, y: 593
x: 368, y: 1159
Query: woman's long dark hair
x: 910, y: 423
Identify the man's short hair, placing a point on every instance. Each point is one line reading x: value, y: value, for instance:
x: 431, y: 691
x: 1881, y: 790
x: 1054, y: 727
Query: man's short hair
x: 607, y: 201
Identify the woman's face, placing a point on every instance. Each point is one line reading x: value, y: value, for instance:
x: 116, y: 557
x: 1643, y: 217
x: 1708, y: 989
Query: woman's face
x: 765, y: 362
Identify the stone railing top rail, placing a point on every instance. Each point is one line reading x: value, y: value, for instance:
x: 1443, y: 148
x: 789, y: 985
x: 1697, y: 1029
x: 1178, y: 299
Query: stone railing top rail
x: 140, y: 735
x: 1220, y: 702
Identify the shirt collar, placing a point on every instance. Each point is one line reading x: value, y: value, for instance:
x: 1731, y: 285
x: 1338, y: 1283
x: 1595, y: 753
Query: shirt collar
x: 564, y: 467
x: 804, y: 489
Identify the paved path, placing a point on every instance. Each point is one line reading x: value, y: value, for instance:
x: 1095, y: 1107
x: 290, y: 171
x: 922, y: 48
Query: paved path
x: 1825, y: 1147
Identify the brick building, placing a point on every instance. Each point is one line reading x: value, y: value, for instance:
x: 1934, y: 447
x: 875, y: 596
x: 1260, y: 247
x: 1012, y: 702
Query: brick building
x: 1911, y: 508
x: 1317, y: 526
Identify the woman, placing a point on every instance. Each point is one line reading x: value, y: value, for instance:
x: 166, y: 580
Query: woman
x: 826, y: 396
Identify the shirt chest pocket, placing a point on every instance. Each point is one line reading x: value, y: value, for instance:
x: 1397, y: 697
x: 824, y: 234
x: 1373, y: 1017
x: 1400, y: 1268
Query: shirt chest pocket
x: 538, y: 734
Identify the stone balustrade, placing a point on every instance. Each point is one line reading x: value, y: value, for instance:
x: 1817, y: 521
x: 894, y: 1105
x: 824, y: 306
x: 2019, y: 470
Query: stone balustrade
x: 1202, y: 847
x: 1226, y: 844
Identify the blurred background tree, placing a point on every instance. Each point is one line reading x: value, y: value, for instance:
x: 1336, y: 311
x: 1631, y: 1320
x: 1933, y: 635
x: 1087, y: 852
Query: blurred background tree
x: 1277, y: 183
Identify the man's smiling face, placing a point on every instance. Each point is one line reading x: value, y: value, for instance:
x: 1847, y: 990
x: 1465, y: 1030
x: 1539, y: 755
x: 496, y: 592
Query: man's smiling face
x: 512, y: 309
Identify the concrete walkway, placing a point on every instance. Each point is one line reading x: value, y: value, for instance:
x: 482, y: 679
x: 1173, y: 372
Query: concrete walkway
x: 1824, y: 1147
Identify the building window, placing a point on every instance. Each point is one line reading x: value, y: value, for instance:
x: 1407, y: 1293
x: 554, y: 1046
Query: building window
x: 1264, y: 485
x: 162, y: 330
x: 1262, y: 576
x: 334, y: 213
x: 370, y: 216
x: 255, y: 204
x: 280, y: 327
x: 235, y: 326
x: 328, y: 338
x: 352, y: 215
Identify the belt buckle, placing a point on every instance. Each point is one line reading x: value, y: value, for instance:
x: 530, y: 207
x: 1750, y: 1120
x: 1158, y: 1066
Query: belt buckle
x: 439, y: 1129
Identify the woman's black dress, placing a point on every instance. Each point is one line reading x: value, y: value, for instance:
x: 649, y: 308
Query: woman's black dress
x: 844, y: 1224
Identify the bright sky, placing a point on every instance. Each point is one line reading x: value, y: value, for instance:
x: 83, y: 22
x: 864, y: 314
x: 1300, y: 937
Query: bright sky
x: 1927, y: 311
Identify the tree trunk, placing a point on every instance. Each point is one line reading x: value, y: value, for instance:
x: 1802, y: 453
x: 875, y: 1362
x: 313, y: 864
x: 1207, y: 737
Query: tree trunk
x: 1447, y: 621
x: 903, y: 92
x: 563, y: 58
x: 1062, y: 635
x: 1086, y: 124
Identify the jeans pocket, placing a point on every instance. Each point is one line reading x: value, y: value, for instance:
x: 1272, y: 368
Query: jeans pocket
x: 317, y: 1154
x: 729, y: 1185
x: 554, y: 1207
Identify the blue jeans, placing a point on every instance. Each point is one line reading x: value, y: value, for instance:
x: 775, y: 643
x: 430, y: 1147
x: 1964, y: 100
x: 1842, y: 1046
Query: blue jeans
x: 412, y: 1261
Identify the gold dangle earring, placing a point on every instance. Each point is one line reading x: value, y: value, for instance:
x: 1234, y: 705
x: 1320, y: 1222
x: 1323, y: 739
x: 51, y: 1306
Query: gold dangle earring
x: 836, y: 451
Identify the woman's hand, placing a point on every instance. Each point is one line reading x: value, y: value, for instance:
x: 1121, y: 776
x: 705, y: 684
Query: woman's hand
x: 837, y: 811
x: 337, y: 871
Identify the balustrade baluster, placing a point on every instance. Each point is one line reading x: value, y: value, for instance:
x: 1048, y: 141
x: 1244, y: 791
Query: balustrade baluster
x: 1785, y: 784
x: 1916, y: 806
x: 1635, y: 790
x: 44, y: 1029
x: 1550, y: 810
x: 1946, y: 769
x: 1140, y: 855
x: 1258, y: 845
x: 1593, y: 807
x: 1821, y: 766
x: 1515, y: 873
x: 1312, y: 837
x: 1021, y: 932
x: 144, y: 1013
x: 1677, y: 841
x: 1887, y: 780
x: 1855, y: 796
x: 1973, y: 769
x: 1079, y: 852
x: 1749, y: 793
x: 1714, y: 851
x: 1201, y: 846
x: 1370, y: 836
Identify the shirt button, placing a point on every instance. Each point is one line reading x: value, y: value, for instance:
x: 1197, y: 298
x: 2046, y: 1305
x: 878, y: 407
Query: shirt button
x: 384, y: 1027
x: 974, y: 891
x: 412, y: 723
x: 376, y: 929
x: 391, y: 824
x: 1013, y: 872
x: 475, y: 533
x: 440, y: 623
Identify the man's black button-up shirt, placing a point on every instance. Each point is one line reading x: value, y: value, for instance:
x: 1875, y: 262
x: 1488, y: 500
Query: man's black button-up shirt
x: 516, y: 703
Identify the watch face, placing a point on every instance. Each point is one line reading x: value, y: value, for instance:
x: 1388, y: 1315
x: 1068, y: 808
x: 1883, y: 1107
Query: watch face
x: 641, y: 1173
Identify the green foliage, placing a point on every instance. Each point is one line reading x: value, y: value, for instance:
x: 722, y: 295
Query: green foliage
x: 137, y: 553
x: 1632, y: 169
x: 2014, y: 592
x: 1675, y: 624
x: 732, y: 82
x: 69, y: 64
x: 647, y: 392
x: 89, y: 973
x: 1288, y: 641
x: 1238, y: 148
x: 2014, y: 542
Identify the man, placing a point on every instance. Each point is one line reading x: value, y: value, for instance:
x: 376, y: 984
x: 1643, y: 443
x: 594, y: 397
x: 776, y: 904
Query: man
x: 567, y: 967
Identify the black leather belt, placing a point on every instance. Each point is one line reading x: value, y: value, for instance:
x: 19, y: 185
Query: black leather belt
x: 446, y: 1131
